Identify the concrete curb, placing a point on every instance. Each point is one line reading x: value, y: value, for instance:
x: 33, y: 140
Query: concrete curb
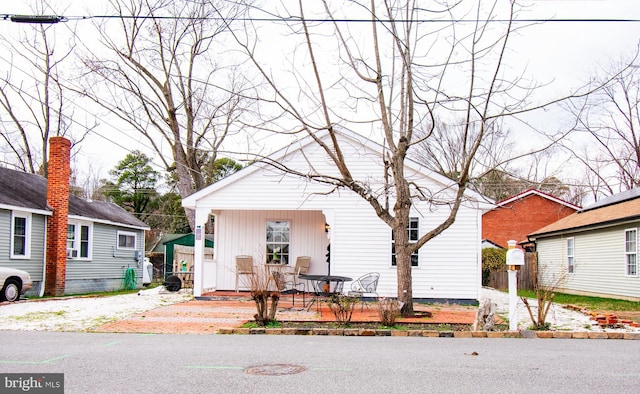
x: 366, y: 332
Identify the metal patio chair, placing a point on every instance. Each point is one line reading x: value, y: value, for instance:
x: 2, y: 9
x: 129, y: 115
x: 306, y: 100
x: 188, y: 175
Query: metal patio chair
x: 366, y: 284
x: 289, y: 287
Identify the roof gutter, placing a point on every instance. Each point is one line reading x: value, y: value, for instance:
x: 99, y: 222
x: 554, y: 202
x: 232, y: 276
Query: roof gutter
x: 25, y: 209
x: 109, y: 222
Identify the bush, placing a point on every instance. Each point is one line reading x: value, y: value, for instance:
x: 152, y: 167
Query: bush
x: 493, y: 259
x: 263, y: 294
x: 342, y: 307
x: 388, y: 310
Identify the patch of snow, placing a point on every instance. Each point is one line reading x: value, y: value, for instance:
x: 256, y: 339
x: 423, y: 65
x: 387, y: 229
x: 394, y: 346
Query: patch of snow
x: 560, y: 318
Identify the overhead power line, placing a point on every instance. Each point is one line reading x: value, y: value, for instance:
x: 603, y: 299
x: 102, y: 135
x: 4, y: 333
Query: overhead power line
x: 50, y: 19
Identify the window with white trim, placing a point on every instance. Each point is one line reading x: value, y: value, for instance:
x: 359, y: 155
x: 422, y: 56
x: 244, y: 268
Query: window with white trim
x: 278, y: 242
x: 79, y: 241
x: 127, y: 240
x: 631, y: 251
x: 20, y: 235
x: 571, y: 264
x: 414, y: 234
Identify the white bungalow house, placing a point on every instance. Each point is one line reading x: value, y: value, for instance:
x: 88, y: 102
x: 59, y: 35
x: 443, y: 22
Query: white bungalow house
x: 259, y: 199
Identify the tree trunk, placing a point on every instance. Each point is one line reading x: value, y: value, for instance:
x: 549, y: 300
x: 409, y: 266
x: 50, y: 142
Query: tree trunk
x: 402, y: 209
x: 266, y: 306
x: 403, y: 264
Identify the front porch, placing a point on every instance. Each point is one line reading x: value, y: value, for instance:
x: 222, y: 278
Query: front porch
x: 269, y: 237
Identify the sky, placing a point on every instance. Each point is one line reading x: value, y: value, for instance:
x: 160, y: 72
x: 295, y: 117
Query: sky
x: 563, y: 54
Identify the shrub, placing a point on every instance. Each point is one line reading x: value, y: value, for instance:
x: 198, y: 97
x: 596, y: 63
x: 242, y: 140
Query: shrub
x: 388, y: 310
x: 342, y: 307
x: 264, y: 294
x: 493, y: 259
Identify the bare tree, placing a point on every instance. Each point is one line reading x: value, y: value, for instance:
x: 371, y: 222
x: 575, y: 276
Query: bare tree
x: 608, y: 120
x: 161, y: 77
x: 500, y: 169
x: 395, y: 81
x: 32, y: 98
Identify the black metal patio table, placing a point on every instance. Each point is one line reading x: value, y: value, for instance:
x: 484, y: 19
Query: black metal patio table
x: 324, y: 285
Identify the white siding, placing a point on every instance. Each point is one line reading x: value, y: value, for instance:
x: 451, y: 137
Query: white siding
x: 599, y: 262
x: 244, y: 233
x: 360, y: 241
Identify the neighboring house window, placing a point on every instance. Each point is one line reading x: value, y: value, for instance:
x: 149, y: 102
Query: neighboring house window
x: 414, y: 234
x: 571, y: 264
x: 631, y: 251
x: 78, y: 241
x: 20, y: 235
x: 278, y: 242
x: 126, y: 240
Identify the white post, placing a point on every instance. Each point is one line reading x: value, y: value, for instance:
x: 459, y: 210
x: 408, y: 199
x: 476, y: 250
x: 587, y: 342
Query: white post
x: 201, y: 217
x: 515, y: 260
x: 513, y: 300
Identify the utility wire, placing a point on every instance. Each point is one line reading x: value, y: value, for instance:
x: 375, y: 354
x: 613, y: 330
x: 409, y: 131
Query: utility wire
x: 50, y: 19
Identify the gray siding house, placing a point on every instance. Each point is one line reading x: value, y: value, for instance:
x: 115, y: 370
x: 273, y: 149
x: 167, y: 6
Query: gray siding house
x: 595, y: 250
x: 103, y: 241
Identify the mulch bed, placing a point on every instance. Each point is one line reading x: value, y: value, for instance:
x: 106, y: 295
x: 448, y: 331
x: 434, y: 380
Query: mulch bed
x: 208, y: 316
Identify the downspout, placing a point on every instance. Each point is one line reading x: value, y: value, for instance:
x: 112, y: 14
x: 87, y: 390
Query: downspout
x: 44, y: 260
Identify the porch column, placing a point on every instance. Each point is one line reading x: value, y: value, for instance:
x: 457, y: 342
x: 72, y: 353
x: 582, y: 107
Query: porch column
x: 329, y: 217
x: 202, y: 215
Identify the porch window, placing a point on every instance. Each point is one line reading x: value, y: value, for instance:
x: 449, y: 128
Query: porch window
x: 414, y: 234
x: 78, y: 241
x: 126, y: 240
x: 20, y: 235
x: 278, y: 242
x: 571, y: 255
x: 631, y: 251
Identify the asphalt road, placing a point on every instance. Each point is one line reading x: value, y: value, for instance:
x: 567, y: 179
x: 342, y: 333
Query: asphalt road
x: 138, y: 363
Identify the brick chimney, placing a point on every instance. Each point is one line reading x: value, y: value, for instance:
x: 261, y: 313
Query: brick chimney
x: 58, y: 200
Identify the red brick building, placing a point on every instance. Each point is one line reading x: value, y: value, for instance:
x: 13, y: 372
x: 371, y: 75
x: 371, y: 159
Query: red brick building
x: 522, y: 214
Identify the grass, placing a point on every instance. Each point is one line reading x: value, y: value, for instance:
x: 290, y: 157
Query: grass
x: 376, y: 326
x: 39, y: 316
x: 589, y: 303
x: 100, y: 294
x: 253, y: 324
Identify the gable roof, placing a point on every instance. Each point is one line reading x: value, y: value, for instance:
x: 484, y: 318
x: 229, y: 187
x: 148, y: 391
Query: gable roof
x: 22, y: 191
x: 618, y: 210
x: 530, y: 192
x: 19, y: 190
x: 616, y: 198
x: 487, y: 243
x: 179, y: 239
x: 307, y: 140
